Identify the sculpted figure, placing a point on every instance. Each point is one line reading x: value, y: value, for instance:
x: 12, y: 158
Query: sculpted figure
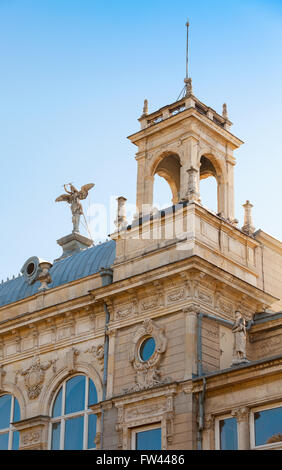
x: 72, y: 197
x: 239, y: 345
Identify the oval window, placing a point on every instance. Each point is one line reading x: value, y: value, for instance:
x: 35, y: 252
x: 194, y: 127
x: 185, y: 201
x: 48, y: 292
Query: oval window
x: 147, y: 349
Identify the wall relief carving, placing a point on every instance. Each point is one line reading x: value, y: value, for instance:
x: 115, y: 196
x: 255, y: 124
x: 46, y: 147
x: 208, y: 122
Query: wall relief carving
x: 98, y: 353
x: 34, y: 376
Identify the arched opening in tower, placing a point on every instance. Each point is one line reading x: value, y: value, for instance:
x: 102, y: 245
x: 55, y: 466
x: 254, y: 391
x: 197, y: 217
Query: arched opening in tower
x: 208, y: 184
x: 168, y: 169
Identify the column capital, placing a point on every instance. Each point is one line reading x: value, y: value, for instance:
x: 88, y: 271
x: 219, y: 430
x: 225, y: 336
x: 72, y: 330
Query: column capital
x: 209, y: 422
x: 192, y: 308
x: 241, y: 414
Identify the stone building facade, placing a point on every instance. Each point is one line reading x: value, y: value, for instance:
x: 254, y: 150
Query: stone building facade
x: 132, y: 341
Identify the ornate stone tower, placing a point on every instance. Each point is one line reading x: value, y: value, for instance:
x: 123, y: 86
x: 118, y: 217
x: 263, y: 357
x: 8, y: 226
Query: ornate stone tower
x: 185, y: 142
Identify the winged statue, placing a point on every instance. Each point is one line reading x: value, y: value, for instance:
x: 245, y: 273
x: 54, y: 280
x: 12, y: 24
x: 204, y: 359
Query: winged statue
x: 72, y: 197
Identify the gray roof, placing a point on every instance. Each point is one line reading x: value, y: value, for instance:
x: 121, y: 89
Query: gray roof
x: 69, y: 269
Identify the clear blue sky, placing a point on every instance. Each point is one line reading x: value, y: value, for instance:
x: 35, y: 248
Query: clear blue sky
x: 74, y: 74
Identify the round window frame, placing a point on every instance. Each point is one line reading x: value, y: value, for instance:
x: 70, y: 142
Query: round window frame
x: 141, y: 342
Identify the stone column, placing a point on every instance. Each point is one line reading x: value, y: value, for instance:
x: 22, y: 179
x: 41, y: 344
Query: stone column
x: 183, y: 183
x: 230, y: 190
x: 33, y: 433
x: 242, y: 417
x: 140, y: 183
x: 149, y: 193
x: 193, y: 194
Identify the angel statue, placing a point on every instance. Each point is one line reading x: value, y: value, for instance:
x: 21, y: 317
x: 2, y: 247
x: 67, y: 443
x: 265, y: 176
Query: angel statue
x: 72, y: 197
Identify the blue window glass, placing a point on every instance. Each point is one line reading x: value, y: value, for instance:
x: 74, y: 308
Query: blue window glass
x: 92, y: 423
x: 16, y: 440
x: 92, y: 394
x: 75, y: 394
x: 57, y: 408
x: 56, y: 428
x: 268, y: 426
x: 228, y: 434
x: 17, y: 411
x: 74, y: 433
x: 4, y: 440
x: 147, y: 349
x: 5, y: 411
x: 149, y: 440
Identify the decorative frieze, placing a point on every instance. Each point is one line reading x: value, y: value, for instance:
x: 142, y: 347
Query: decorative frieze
x: 149, y: 303
x: 176, y: 295
x: 144, y: 410
x: 124, y: 311
x: 205, y: 297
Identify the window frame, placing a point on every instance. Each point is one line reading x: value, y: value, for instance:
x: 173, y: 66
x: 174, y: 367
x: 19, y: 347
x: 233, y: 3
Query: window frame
x: 148, y: 427
x: 253, y: 445
x: 11, y: 429
x: 64, y: 417
x: 217, y: 429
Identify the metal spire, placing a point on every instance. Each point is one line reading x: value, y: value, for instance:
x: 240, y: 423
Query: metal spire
x: 187, y: 42
x: 187, y: 90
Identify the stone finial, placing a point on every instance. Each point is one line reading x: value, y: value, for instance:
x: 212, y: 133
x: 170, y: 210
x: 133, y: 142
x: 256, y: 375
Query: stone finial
x: 188, y: 85
x: 239, y: 331
x: 224, y: 111
x: 121, y: 221
x: 145, y: 108
x: 44, y: 275
x: 248, y: 226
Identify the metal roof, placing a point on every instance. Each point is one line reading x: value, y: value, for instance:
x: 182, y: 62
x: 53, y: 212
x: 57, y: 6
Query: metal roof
x: 69, y: 269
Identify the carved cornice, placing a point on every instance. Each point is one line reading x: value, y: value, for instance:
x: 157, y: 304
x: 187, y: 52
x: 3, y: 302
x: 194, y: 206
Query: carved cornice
x: 235, y: 376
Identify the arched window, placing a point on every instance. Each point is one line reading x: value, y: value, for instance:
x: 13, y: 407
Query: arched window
x: 9, y: 413
x: 73, y: 423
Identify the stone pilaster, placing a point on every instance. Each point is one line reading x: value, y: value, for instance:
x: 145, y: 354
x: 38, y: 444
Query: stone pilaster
x: 190, y: 313
x: 209, y: 433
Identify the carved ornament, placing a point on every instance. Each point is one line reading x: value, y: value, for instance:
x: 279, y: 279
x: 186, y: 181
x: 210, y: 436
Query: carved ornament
x: 34, y: 376
x: 147, y: 372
